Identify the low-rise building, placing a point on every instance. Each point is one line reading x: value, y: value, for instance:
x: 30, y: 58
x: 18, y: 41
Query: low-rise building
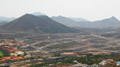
x: 105, y: 62
x: 70, y: 54
x: 10, y: 58
x: 17, y: 53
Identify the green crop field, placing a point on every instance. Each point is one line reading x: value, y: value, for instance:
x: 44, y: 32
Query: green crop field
x: 1, y: 54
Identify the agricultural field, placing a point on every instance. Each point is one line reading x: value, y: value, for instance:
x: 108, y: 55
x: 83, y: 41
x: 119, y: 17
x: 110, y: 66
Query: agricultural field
x: 1, y: 54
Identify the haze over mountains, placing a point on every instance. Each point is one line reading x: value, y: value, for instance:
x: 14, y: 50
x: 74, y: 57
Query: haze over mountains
x: 37, y: 13
x: 111, y: 22
x: 77, y: 19
x: 66, y: 21
x: 41, y: 24
x: 4, y: 20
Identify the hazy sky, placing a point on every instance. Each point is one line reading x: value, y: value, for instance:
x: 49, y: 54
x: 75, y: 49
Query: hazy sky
x: 89, y: 9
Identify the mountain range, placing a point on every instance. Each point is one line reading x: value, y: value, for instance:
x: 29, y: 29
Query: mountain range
x: 31, y: 23
x: 111, y: 22
x: 4, y: 20
x: 39, y: 22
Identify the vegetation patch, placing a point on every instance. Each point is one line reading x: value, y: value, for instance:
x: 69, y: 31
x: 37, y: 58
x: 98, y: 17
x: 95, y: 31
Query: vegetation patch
x: 1, y: 54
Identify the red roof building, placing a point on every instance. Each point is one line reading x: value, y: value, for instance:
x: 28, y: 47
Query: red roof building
x: 69, y: 54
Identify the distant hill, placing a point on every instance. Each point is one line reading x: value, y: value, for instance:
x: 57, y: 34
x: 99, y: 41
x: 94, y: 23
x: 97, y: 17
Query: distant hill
x: 66, y: 21
x: 37, y: 14
x: 6, y: 19
x: 40, y: 24
x: 111, y: 22
x: 77, y: 19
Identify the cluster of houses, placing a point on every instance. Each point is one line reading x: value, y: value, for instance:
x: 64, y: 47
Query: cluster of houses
x: 11, y: 47
x: 14, y: 54
x: 101, y: 64
x: 84, y: 55
x: 12, y: 43
x: 13, y: 51
x: 72, y: 54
